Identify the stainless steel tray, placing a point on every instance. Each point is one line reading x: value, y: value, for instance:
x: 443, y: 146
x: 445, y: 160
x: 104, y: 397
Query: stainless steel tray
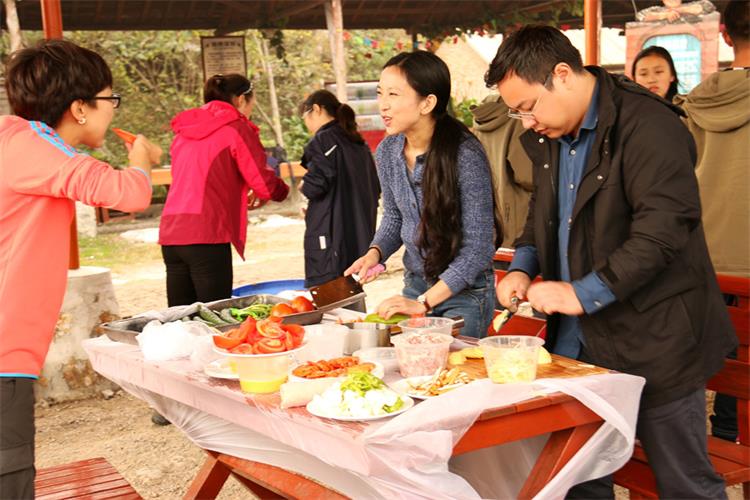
x: 126, y: 329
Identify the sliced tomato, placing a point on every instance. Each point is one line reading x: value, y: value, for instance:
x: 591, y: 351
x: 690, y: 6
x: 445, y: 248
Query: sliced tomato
x: 282, y: 310
x: 248, y: 326
x: 242, y: 349
x: 270, y: 329
x: 301, y: 304
x: 230, y: 339
x: 297, y: 332
x: 289, y: 341
x: 268, y: 346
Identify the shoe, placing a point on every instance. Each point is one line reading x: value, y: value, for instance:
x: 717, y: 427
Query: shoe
x: 159, y: 419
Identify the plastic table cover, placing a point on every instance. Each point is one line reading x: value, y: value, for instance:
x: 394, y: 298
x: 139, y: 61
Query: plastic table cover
x: 407, y: 456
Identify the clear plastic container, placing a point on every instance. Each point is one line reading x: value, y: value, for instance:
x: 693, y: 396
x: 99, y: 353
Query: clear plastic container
x: 427, y: 324
x: 511, y: 358
x: 324, y: 341
x: 386, y: 356
x: 421, y: 353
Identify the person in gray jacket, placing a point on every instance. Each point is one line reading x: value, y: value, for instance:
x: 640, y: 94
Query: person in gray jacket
x: 511, y: 167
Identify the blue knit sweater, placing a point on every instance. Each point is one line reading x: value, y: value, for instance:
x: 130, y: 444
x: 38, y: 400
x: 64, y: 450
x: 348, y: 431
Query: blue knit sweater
x: 402, y: 208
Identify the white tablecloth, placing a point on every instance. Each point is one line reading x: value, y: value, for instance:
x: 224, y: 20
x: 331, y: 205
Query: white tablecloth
x: 407, y: 456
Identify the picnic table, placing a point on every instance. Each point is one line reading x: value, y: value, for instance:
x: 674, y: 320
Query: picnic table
x: 485, y: 439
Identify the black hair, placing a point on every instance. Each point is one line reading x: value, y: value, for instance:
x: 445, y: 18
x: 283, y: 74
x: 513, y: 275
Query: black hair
x: 532, y: 53
x: 226, y: 88
x: 737, y: 21
x: 343, y: 114
x: 42, y: 81
x: 440, y: 227
x: 655, y: 50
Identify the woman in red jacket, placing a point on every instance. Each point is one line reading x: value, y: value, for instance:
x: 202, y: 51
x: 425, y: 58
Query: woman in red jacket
x: 217, y: 157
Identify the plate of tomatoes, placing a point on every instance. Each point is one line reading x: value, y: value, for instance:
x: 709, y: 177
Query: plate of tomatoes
x: 260, y: 337
x: 300, y: 310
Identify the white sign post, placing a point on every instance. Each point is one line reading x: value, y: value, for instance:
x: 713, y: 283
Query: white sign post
x: 223, y: 55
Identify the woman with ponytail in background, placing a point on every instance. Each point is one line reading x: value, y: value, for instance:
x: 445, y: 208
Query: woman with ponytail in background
x: 341, y: 185
x: 217, y: 157
x: 437, y: 199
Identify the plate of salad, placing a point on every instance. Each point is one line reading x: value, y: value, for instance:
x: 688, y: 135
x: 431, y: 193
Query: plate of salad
x: 361, y: 396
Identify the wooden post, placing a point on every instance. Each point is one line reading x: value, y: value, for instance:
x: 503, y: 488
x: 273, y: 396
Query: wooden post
x: 592, y: 23
x: 335, y: 24
x: 52, y: 19
x: 53, y: 29
x: 14, y: 28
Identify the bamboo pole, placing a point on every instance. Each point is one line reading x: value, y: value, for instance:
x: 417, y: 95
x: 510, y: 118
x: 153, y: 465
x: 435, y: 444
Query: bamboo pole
x: 335, y: 24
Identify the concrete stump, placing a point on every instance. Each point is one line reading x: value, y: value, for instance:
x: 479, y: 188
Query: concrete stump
x: 67, y: 373
x: 86, y: 219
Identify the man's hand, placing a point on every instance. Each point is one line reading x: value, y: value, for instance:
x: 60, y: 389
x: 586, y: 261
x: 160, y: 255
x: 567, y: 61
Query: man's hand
x: 552, y: 297
x: 512, y: 288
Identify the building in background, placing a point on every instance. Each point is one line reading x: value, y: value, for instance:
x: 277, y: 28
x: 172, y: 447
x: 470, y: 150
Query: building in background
x: 468, y: 58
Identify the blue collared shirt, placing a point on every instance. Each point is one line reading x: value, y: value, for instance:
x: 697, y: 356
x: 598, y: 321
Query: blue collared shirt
x: 590, y: 290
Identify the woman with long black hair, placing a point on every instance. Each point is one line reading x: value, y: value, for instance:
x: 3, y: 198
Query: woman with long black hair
x: 437, y: 199
x: 654, y: 69
x: 341, y: 185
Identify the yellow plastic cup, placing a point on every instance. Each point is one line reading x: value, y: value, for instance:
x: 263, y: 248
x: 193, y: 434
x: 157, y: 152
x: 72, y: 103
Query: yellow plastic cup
x: 511, y: 358
x: 261, y: 373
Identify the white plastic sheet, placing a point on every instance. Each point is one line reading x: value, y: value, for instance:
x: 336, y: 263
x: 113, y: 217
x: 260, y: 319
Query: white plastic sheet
x: 408, y: 456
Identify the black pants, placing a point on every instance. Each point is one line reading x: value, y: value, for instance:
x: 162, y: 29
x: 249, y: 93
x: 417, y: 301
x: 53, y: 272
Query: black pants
x: 198, y: 273
x: 724, y: 419
x: 17, y: 438
x: 673, y: 435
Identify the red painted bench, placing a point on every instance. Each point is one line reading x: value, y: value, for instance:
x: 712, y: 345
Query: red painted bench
x: 93, y: 479
x: 731, y: 460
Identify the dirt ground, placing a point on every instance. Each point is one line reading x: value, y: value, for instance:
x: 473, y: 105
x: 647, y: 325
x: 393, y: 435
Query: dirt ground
x: 158, y: 461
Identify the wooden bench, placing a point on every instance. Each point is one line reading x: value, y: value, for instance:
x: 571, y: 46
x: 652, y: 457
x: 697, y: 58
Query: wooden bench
x: 731, y: 460
x: 93, y: 479
x: 291, y: 169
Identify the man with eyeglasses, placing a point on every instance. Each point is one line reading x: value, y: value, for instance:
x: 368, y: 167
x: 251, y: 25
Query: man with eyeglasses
x: 614, y: 228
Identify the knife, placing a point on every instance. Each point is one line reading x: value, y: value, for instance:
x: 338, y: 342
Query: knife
x: 338, y: 292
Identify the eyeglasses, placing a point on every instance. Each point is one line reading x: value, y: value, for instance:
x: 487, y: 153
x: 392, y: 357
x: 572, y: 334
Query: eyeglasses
x: 305, y: 112
x: 114, y: 98
x: 529, y: 115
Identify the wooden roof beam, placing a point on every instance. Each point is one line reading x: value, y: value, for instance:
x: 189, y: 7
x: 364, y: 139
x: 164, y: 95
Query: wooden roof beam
x: 299, y: 9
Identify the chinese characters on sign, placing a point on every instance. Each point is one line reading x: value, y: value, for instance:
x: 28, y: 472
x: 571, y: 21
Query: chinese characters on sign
x: 223, y: 55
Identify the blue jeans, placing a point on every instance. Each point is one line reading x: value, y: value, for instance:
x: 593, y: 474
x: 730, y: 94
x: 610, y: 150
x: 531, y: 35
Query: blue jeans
x: 476, y: 304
